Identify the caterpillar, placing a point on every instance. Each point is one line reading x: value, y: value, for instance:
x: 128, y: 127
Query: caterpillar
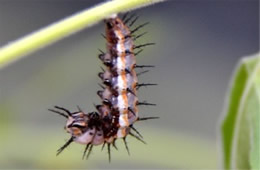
x: 115, y: 117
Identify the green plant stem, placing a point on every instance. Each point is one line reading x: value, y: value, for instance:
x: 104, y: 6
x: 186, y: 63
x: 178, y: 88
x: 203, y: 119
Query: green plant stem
x: 56, y: 31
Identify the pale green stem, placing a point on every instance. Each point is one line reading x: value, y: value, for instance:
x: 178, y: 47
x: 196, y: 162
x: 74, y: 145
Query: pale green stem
x: 58, y: 30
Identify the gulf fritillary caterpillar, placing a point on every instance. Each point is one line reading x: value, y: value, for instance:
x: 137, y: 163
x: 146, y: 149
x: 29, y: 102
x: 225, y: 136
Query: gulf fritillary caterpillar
x: 116, y: 116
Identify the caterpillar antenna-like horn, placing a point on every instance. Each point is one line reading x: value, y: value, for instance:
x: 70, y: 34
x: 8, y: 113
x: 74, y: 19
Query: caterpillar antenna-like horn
x: 59, y: 113
x: 65, y: 110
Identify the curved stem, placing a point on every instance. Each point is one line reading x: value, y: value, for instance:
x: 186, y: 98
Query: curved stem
x: 58, y: 30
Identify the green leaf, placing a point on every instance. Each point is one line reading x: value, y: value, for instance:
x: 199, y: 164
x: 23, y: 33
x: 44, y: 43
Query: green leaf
x: 240, y: 127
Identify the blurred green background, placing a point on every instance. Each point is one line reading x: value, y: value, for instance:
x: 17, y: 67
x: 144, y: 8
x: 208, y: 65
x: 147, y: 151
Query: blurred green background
x: 198, y: 44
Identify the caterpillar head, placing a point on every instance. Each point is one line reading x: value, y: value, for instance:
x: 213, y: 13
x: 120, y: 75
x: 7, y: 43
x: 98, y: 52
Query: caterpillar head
x: 85, y: 128
x: 77, y: 122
